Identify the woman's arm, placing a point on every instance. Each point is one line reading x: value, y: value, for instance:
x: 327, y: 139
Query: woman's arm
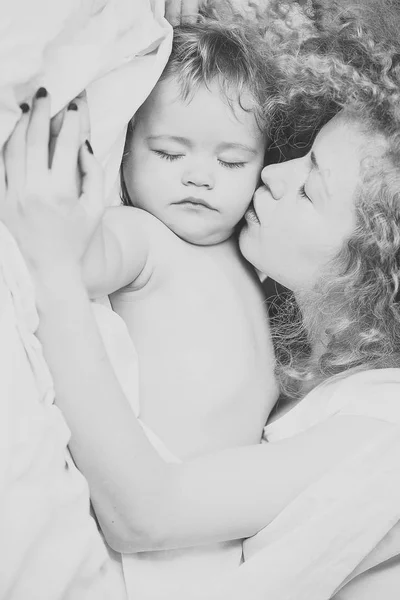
x: 107, y: 442
x: 142, y: 502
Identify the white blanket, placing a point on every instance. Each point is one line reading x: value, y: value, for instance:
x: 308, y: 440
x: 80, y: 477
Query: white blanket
x: 116, y: 49
x: 50, y: 548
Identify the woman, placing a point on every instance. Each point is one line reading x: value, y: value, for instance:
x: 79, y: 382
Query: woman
x: 327, y: 227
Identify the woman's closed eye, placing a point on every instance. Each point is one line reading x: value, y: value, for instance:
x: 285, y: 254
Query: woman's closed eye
x: 302, y: 192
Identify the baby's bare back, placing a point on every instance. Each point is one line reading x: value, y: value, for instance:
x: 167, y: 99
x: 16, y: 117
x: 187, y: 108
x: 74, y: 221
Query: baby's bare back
x: 200, y: 328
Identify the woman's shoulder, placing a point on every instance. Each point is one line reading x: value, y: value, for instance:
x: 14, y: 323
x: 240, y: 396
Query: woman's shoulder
x: 371, y: 393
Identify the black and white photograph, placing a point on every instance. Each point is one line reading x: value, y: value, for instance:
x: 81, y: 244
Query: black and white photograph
x: 199, y: 299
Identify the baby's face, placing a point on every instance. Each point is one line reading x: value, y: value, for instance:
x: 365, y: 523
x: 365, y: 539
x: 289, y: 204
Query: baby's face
x: 194, y: 164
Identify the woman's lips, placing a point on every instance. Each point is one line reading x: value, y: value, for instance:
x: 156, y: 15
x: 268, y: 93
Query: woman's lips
x: 261, y: 196
x: 251, y: 215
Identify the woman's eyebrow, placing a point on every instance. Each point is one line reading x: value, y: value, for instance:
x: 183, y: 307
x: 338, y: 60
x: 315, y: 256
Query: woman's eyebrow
x: 315, y: 167
x: 314, y: 161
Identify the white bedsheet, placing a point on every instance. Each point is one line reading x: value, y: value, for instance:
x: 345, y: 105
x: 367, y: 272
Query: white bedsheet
x: 50, y: 548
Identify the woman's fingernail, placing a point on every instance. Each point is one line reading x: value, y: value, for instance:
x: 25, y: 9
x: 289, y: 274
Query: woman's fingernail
x: 72, y: 106
x: 41, y: 93
x: 88, y: 146
x: 24, y: 107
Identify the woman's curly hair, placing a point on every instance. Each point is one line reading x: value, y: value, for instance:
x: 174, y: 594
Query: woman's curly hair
x: 352, y: 64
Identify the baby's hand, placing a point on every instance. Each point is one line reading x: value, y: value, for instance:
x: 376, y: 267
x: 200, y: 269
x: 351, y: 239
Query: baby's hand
x: 182, y: 11
x: 50, y: 218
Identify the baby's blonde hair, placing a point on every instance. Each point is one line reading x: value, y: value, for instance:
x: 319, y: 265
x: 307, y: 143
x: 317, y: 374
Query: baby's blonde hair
x: 231, y: 54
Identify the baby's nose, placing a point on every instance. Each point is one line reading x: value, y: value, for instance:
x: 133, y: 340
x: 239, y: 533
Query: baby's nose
x: 199, y: 176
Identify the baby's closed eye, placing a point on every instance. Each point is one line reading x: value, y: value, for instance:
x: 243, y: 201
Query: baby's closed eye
x: 232, y: 164
x: 168, y: 155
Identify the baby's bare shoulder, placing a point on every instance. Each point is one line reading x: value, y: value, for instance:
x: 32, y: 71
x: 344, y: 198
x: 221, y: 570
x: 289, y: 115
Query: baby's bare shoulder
x: 136, y: 231
x: 122, y: 218
x: 131, y: 224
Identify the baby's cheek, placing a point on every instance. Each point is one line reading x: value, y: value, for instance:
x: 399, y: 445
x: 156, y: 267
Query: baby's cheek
x: 253, y: 177
x: 245, y: 186
x: 148, y: 173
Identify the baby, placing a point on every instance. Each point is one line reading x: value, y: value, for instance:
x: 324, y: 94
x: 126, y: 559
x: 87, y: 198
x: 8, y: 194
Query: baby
x: 192, y: 305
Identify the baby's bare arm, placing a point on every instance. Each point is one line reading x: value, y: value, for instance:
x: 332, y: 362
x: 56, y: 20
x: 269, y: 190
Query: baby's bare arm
x: 118, y: 253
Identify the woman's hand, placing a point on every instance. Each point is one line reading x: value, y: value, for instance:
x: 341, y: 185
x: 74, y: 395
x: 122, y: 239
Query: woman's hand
x: 50, y: 214
x: 58, y: 119
x: 179, y: 12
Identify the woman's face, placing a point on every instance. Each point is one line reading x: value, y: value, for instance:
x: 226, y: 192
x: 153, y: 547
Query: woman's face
x: 305, y: 210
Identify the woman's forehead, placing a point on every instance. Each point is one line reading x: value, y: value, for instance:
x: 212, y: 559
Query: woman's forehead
x: 340, y: 145
x: 338, y: 150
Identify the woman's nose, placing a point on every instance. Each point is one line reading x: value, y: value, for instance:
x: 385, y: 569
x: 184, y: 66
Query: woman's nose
x: 273, y: 178
x: 198, y: 176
